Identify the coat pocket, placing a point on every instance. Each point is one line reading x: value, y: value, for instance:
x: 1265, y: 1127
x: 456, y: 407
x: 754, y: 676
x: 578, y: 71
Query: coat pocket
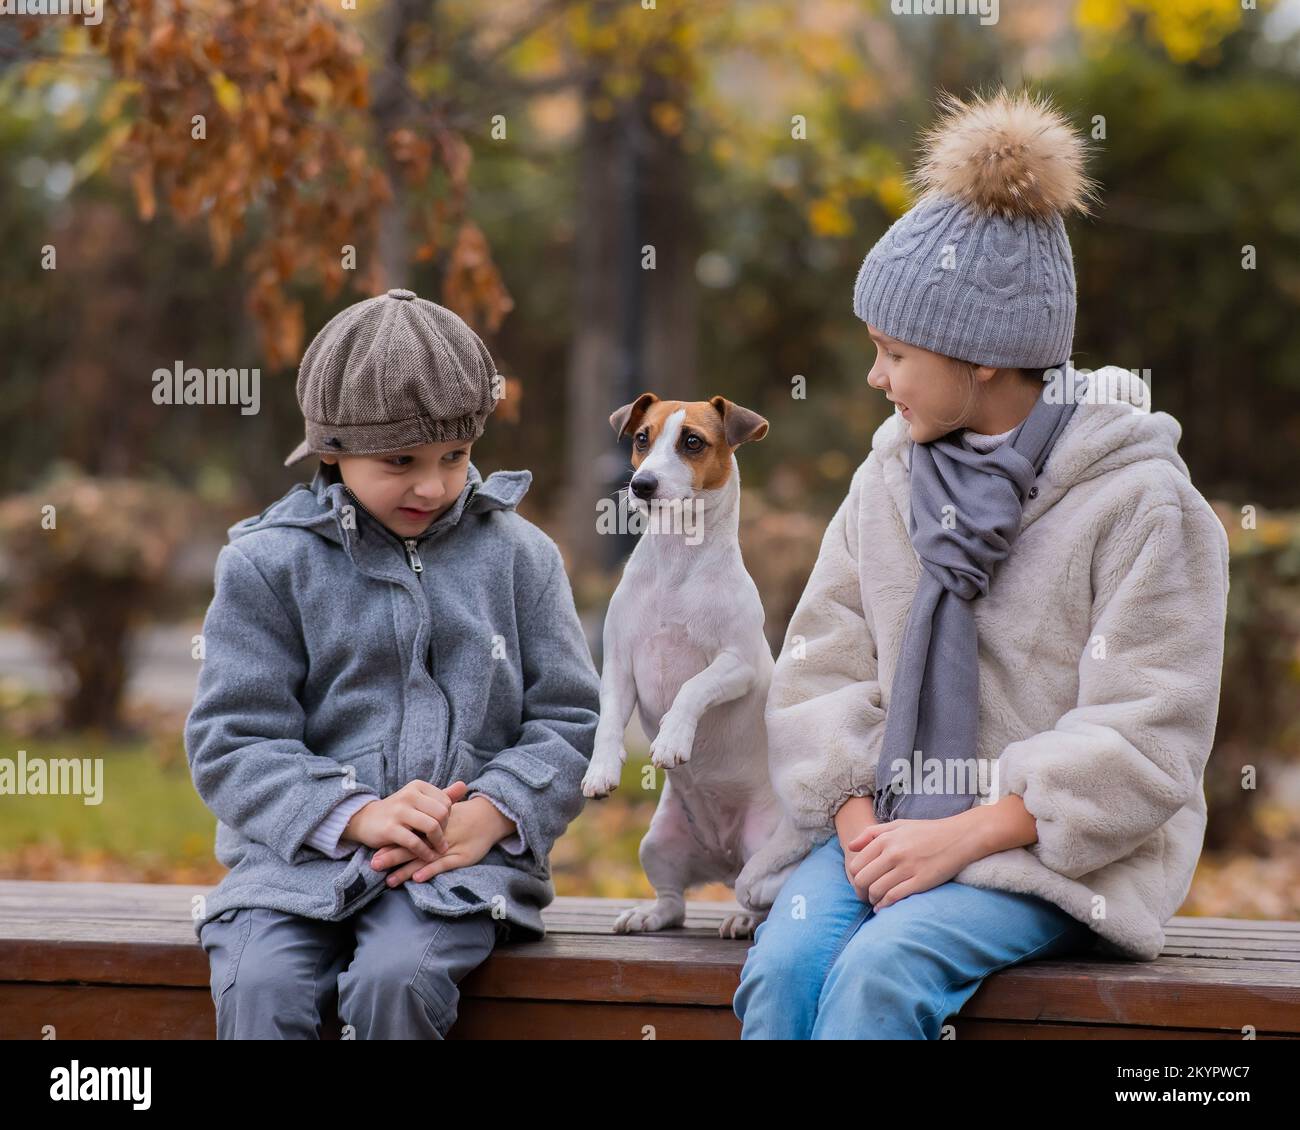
x: 364, y: 766
x: 471, y: 761
x: 529, y: 769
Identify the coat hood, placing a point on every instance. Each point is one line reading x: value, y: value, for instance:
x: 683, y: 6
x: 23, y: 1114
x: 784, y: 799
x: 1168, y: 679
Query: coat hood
x: 1112, y: 427
x: 318, y: 506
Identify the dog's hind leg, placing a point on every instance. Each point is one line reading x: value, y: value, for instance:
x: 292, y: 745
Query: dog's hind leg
x: 666, y: 853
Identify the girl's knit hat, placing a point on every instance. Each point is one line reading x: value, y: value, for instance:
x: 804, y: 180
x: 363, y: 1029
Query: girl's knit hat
x: 980, y: 269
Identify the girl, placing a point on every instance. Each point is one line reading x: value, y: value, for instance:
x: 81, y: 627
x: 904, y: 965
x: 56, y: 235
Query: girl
x: 991, y: 714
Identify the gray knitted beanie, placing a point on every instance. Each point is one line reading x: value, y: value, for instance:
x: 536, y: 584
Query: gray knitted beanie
x: 980, y: 269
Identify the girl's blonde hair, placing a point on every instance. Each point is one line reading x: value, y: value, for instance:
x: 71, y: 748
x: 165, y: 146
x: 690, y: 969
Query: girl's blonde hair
x: 972, y: 385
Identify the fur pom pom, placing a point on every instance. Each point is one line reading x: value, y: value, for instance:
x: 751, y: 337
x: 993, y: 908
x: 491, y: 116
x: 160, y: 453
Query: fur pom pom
x: 1008, y: 154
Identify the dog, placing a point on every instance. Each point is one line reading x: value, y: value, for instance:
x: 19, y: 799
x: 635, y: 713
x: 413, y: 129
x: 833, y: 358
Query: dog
x: 684, y: 645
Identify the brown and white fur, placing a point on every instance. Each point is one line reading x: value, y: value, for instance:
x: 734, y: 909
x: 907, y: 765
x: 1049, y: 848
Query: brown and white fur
x: 684, y: 645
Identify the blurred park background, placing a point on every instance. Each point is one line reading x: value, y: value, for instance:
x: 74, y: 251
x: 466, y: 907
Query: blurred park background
x: 208, y: 181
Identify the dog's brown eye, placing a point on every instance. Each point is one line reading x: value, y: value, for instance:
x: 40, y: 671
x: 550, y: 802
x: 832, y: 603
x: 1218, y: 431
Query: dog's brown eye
x: 641, y: 438
x: 693, y: 442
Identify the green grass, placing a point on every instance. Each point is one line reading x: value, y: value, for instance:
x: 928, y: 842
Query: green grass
x: 150, y: 814
x: 152, y: 826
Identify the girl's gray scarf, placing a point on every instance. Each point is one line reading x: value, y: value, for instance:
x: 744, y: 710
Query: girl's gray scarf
x: 965, y: 517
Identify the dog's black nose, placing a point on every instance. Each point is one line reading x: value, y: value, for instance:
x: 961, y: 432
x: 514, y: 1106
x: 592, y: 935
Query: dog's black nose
x: 643, y: 486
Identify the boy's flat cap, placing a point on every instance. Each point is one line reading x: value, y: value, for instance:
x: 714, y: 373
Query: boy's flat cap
x: 392, y: 372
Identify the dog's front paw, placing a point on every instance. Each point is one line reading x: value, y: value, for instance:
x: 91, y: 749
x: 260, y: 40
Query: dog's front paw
x: 672, y: 745
x: 602, y: 776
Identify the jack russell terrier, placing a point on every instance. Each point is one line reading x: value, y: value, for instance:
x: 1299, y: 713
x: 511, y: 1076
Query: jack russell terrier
x: 684, y: 644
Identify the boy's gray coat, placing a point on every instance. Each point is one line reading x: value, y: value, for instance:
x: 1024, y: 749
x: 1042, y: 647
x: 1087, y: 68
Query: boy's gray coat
x: 330, y: 664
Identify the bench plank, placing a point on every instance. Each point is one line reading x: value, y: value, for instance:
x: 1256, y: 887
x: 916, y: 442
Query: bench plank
x: 121, y: 960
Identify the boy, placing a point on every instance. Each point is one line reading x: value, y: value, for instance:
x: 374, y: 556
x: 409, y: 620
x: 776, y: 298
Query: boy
x: 397, y: 703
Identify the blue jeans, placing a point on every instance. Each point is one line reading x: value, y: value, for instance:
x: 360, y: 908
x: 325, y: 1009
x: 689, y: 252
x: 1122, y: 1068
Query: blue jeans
x: 825, y: 966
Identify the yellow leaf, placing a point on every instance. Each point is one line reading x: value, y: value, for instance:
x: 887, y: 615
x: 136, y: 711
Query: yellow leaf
x: 667, y: 117
x: 892, y: 194
x: 317, y: 86
x: 226, y: 92
x: 829, y: 217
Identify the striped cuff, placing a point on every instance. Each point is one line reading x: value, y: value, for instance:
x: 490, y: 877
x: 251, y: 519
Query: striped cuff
x: 326, y: 836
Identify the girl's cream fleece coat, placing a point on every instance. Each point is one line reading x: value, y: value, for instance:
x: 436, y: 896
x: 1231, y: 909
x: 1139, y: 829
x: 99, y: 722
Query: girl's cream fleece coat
x: 1100, y: 651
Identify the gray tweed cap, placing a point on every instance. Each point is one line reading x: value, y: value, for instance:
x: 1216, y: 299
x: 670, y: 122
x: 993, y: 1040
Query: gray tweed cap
x: 392, y: 372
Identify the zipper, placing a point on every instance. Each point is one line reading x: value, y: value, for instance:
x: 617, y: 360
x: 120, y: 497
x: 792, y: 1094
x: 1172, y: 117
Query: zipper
x: 412, y: 555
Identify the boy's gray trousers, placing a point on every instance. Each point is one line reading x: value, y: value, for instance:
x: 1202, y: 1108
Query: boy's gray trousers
x: 390, y: 971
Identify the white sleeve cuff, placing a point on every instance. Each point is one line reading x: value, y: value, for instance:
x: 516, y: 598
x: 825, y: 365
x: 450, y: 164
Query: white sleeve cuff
x: 326, y: 836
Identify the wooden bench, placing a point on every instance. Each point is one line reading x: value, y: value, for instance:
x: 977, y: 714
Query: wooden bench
x: 121, y: 961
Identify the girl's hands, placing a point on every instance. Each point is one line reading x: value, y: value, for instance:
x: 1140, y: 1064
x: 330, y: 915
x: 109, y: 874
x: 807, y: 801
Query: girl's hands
x: 854, y: 815
x: 471, y: 828
x: 898, y: 858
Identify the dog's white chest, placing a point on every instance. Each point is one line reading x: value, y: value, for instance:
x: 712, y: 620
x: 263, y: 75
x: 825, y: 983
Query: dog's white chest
x: 663, y: 659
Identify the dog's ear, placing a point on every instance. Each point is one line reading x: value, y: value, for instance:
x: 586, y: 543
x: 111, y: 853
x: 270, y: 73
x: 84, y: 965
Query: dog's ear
x: 739, y: 425
x: 627, y: 417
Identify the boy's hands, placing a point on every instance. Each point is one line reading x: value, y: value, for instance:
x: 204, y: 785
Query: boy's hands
x: 470, y: 830
x: 413, y: 817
